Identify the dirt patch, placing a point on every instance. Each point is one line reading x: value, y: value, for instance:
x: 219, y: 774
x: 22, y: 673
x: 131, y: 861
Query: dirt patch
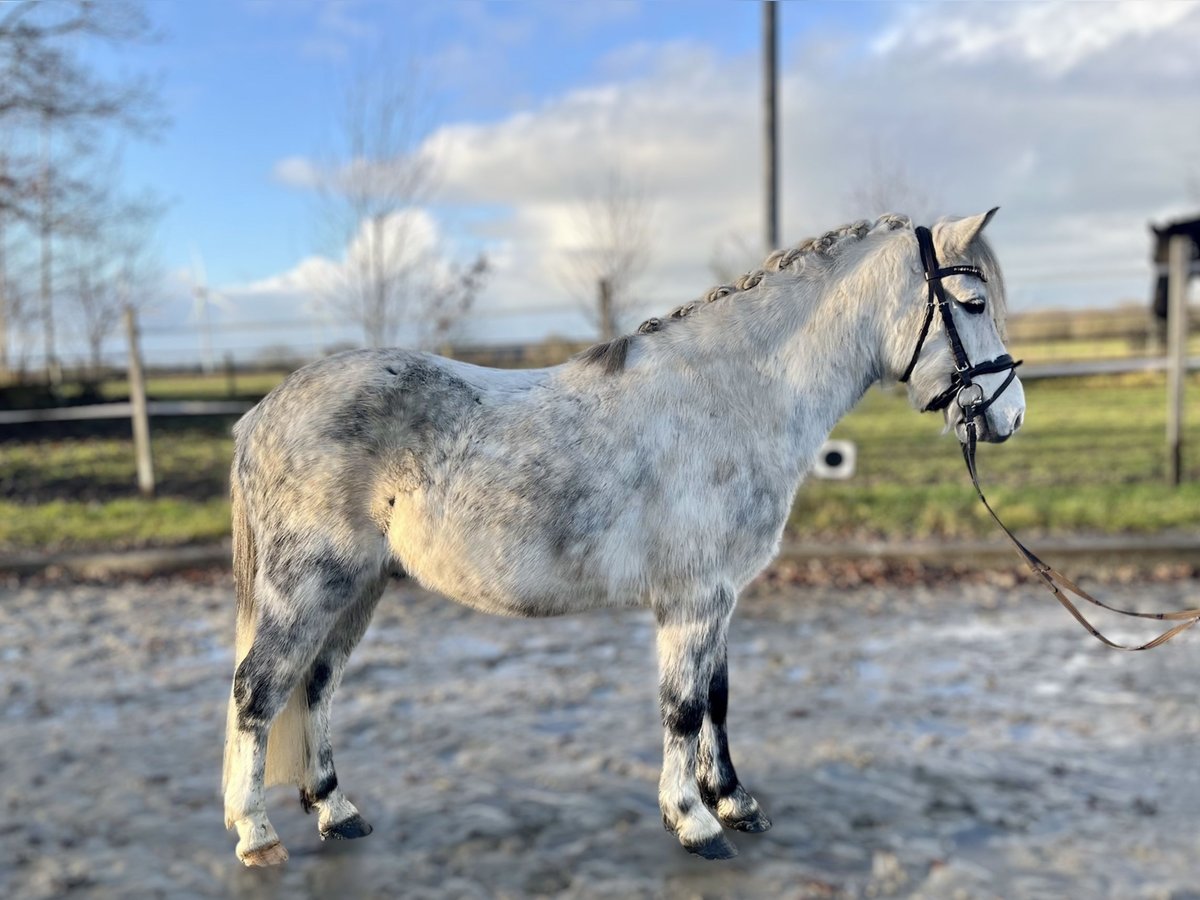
x: 957, y: 740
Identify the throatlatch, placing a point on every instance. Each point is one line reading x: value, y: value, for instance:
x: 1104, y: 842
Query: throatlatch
x: 969, y: 396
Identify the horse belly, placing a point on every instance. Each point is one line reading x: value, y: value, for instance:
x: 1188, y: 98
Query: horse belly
x: 502, y: 570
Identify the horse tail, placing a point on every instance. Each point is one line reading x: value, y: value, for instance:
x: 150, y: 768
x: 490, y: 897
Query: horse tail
x: 245, y: 564
x: 287, y: 742
x: 245, y: 568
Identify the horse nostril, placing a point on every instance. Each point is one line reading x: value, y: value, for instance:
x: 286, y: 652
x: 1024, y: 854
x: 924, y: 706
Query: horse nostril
x: 1018, y: 421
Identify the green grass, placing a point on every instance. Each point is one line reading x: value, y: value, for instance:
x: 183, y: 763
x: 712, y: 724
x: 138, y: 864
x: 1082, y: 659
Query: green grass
x: 190, y: 464
x: 1040, y: 350
x: 120, y: 524
x: 80, y: 493
x: 1091, y: 458
x: 197, y: 387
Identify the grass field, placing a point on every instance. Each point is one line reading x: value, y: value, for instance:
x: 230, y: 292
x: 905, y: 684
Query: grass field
x: 1091, y: 457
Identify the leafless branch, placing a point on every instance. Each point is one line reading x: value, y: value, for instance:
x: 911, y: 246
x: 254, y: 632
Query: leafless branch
x: 888, y: 186
x: 373, y: 193
x: 614, y: 221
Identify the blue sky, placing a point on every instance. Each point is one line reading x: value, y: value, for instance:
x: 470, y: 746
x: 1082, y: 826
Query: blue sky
x: 250, y: 83
x: 1079, y: 119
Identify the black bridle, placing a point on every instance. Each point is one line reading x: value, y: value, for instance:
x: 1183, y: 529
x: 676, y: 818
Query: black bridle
x: 969, y: 396
x: 962, y: 387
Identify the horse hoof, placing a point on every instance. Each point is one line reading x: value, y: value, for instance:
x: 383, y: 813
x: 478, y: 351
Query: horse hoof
x: 755, y: 823
x: 270, y: 855
x: 715, y: 847
x: 354, y: 827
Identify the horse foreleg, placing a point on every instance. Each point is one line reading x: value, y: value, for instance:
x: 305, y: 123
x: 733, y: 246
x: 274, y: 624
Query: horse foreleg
x: 719, y: 785
x: 337, y: 817
x: 689, y: 636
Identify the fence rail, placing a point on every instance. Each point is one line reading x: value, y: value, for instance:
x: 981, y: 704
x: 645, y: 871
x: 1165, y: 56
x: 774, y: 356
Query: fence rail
x: 123, y: 410
x: 160, y: 408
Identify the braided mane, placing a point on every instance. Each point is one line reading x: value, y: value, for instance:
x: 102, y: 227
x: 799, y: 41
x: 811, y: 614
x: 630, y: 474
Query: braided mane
x: 611, y: 355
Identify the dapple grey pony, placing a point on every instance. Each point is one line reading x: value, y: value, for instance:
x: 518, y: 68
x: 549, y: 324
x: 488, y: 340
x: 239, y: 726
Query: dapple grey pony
x: 656, y: 470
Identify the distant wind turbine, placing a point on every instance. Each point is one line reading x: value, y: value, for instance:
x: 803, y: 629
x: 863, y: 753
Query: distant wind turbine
x: 203, y: 299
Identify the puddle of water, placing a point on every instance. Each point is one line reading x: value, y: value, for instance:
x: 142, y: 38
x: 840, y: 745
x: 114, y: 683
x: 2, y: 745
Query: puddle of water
x: 870, y: 671
x: 468, y: 646
x: 937, y: 728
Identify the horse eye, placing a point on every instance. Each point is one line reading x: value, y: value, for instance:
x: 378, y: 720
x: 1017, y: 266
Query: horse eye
x: 974, y: 305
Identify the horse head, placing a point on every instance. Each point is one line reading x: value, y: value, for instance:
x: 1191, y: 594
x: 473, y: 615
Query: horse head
x: 954, y: 333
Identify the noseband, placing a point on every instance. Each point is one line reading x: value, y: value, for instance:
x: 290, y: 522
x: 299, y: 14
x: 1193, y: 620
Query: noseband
x: 970, y: 399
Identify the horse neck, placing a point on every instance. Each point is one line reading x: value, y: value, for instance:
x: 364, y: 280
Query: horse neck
x: 796, y: 355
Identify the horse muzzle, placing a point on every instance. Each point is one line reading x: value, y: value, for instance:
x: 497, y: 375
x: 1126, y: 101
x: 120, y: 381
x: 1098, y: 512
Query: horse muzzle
x: 999, y: 420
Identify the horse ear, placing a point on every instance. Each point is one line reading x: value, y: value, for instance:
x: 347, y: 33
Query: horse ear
x: 957, y: 234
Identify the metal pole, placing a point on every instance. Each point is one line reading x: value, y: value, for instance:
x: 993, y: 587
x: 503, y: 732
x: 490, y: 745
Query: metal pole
x: 137, y: 403
x: 1178, y: 262
x: 604, y: 299
x: 770, y: 108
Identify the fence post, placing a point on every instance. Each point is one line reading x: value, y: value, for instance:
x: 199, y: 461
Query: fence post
x: 1179, y: 260
x: 137, y: 404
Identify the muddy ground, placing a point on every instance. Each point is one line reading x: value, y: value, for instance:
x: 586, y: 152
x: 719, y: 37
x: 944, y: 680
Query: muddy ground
x: 952, y: 741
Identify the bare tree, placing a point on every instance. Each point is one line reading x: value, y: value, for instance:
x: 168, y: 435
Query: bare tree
x: 614, y: 224
x: 888, y: 186
x: 108, y: 267
x: 373, y: 194
x: 16, y: 306
x: 18, y: 274
x: 57, y: 106
x: 733, y: 255
x: 448, y: 300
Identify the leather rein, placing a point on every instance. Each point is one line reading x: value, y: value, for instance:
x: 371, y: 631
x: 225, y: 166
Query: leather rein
x: 970, y: 397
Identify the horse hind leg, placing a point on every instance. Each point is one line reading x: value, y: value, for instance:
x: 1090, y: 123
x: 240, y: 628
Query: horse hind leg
x: 297, y: 600
x: 337, y: 817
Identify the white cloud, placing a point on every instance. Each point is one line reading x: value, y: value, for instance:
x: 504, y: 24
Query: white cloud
x: 1055, y: 37
x: 309, y: 294
x: 297, y: 172
x: 1078, y: 120
x: 405, y: 238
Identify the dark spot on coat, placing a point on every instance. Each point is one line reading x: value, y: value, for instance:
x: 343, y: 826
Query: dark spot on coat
x: 337, y: 580
x: 723, y: 471
x: 254, y: 692
x: 326, y: 786
x: 681, y: 715
x: 761, y: 513
x: 422, y: 396
x: 718, y: 694
x: 318, y: 681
